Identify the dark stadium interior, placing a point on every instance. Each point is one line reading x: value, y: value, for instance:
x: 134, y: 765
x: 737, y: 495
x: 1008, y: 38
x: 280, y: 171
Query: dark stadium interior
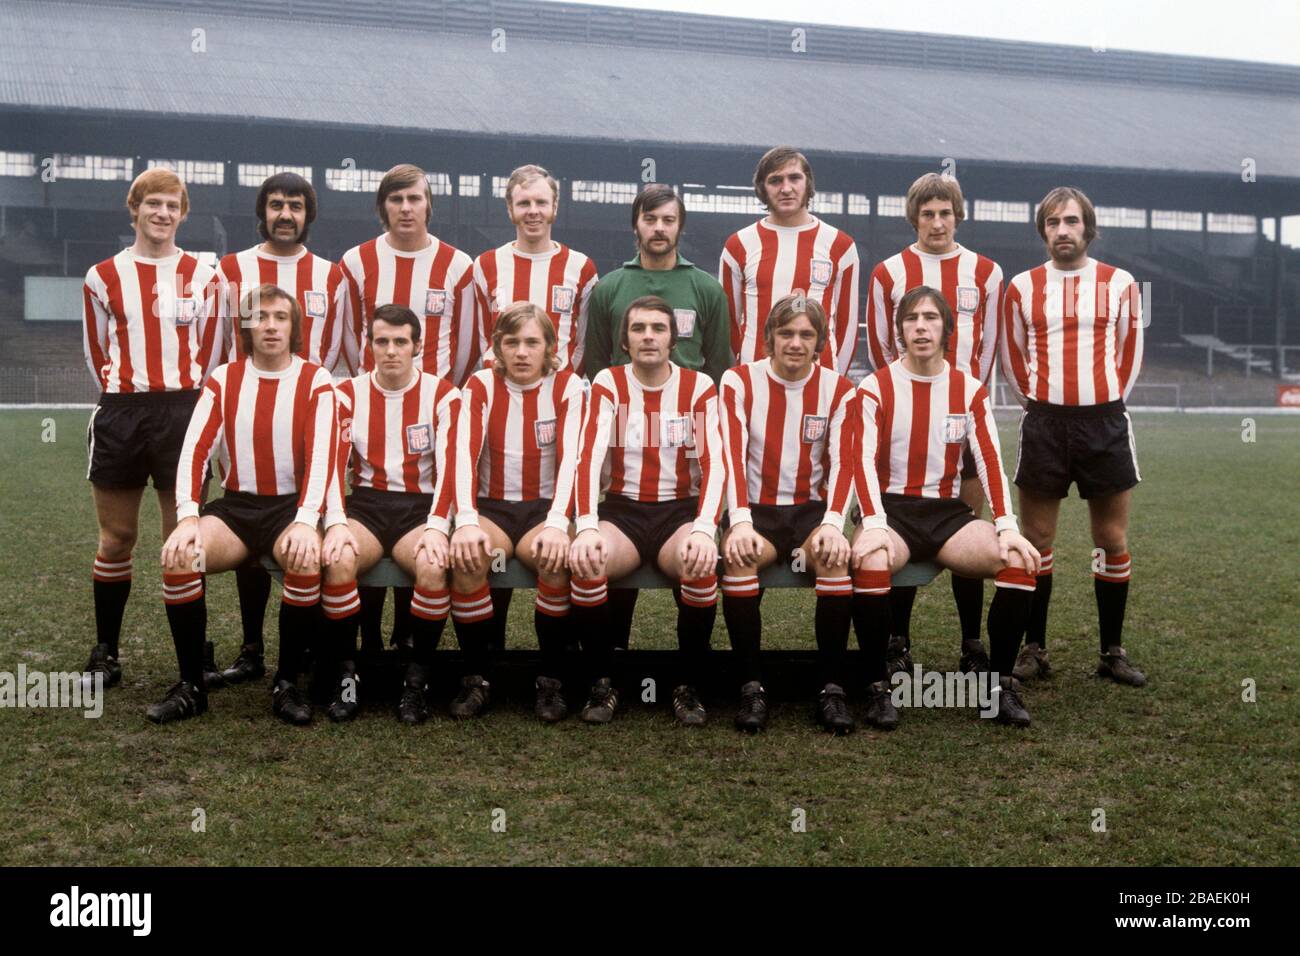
x: 1171, y: 172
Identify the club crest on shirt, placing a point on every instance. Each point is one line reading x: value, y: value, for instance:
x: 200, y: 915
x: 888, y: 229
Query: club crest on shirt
x: 562, y: 298
x: 968, y: 298
x: 675, y: 431
x: 544, y: 431
x: 435, y: 301
x: 419, y: 438
x: 187, y: 310
x: 814, y: 428
x: 684, y: 319
x: 820, y: 272
x: 314, y: 303
x: 954, y: 428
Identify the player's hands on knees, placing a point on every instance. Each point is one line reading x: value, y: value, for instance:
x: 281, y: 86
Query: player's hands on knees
x: 587, y: 554
x: 1009, y: 541
x: 338, y: 539
x: 551, y: 550
x: 698, y: 555
x: 743, y: 544
x: 830, y: 546
x: 469, y: 549
x: 433, y: 545
x: 300, y: 548
x: 873, y: 539
x: 183, y: 545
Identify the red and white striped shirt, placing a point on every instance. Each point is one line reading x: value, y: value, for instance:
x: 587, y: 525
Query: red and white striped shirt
x: 1072, y: 338
x: 913, y: 429
x: 519, y: 443
x: 316, y: 283
x: 970, y: 283
x: 397, y: 440
x: 652, y: 444
x: 434, y: 283
x: 763, y: 263
x: 787, y: 443
x: 151, y: 325
x: 559, y: 281
x: 272, y: 433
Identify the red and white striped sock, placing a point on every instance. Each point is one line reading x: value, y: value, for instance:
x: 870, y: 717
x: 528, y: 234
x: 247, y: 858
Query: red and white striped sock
x: 838, y: 586
x: 591, y: 592
x: 467, y: 607
x: 740, y: 586
x: 871, y: 582
x: 552, y: 601
x: 301, y: 590
x: 340, y: 600
x: 700, y: 592
x: 182, y: 588
x: 111, y: 572
x: 431, y: 605
x: 1115, y: 568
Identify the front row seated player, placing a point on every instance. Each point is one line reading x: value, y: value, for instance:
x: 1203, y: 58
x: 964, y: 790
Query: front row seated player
x: 916, y: 415
x: 396, y: 437
x: 651, y: 440
x: 516, y: 443
x: 788, y: 430
x: 269, y: 419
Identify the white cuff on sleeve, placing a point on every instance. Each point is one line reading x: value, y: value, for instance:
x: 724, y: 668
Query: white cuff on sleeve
x: 308, y: 516
x: 335, y: 517
x: 834, y: 519
x: 873, y: 522
x: 587, y: 523
x: 1006, y: 523
x: 704, y: 526
x: 189, y: 509
x: 558, y: 521
x: 741, y: 516
x: 465, y: 518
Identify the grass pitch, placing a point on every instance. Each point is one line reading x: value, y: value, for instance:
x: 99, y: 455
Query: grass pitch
x: 1184, y: 770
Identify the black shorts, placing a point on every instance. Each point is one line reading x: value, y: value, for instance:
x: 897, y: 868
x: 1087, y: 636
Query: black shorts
x: 786, y: 526
x: 515, y: 518
x: 256, y: 520
x: 925, y: 524
x: 648, y: 524
x: 135, y: 436
x: 389, y: 515
x: 1090, y: 445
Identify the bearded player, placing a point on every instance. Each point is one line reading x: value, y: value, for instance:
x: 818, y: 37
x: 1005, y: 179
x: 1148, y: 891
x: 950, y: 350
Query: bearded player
x: 286, y: 208
x: 1072, y: 351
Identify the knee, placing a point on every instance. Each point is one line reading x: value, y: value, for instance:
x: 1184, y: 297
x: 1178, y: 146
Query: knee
x: 116, y: 544
x: 341, y: 571
x: 460, y: 581
x: 1111, y: 538
x: 557, y: 580
x: 877, y: 560
x: 430, y: 577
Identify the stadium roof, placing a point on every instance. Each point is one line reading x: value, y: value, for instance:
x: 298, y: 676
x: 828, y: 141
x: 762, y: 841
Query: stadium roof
x: 602, y: 73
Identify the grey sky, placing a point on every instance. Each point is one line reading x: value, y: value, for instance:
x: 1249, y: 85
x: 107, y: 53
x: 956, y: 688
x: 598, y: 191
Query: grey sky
x: 1264, y: 30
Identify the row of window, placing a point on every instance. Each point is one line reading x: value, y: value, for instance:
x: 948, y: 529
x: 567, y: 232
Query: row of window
x: 733, y: 199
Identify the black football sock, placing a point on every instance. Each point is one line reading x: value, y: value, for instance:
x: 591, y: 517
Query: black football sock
x: 742, y: 612
x: 551, y: 613
x: 871, y: 621
x: 590, y: 615
x: 500, y: 617
x: 187, y: 616
x: 831, y: 619
x: 900, y: 612
x: 472, y: 612
x: 697, y: 609
x: 1013, y: 601
x: 1036, y: 633
x: 622, y: 607
x: 300, y: 615
x: 1111, y: 588
x: 254, y: 587
x: 372, y: 619
x: 112, y: 586
x: 401, y: 613
x: 968, y: 593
